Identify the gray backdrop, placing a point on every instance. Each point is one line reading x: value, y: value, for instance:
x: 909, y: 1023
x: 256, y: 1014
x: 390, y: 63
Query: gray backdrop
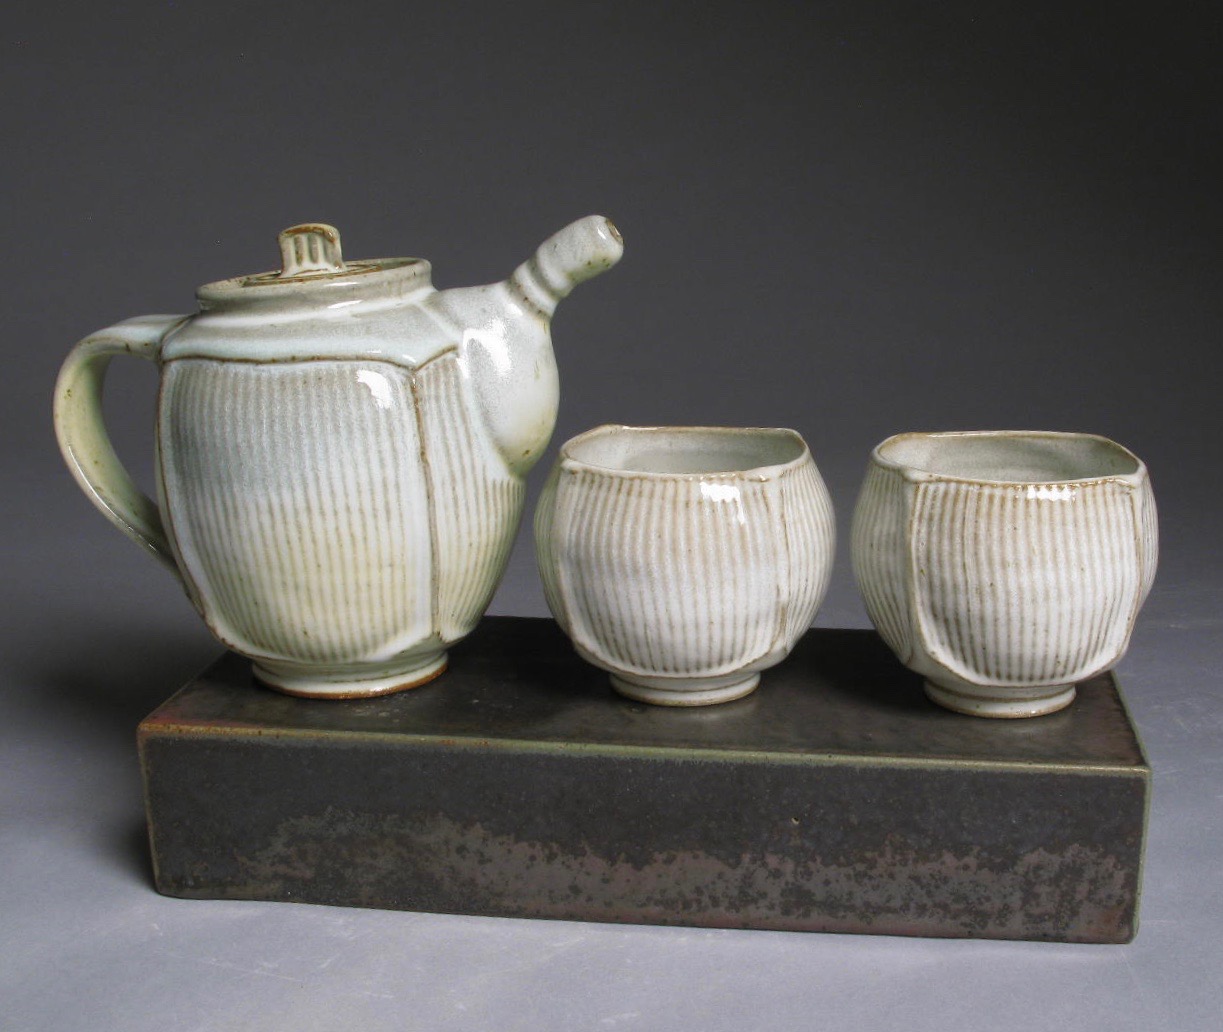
x: 850, y: 218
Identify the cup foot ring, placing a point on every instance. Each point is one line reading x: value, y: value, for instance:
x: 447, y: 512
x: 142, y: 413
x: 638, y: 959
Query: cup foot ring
x: 1052, y: 699
x: 699, y: 691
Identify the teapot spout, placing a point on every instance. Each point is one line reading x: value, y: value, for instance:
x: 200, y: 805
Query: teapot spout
x: 502, y: 335
x: 580, y: 251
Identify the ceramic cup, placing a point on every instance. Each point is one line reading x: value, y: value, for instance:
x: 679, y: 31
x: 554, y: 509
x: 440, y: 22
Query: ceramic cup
x: 1004, y: 566
x: 685, y: 560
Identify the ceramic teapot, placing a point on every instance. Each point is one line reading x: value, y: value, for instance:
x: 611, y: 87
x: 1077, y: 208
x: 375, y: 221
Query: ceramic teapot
x: 340, y: 451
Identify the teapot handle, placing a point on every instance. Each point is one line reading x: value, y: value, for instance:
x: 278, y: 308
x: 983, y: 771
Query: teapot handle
x: 82, y: 434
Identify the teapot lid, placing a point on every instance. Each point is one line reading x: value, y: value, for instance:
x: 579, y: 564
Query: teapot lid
x: 313, y: 270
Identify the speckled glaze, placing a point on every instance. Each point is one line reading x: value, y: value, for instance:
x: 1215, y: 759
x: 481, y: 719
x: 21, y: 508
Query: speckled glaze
x: 341, y: 451
x: 1005, y: 566
x: 684, y: 560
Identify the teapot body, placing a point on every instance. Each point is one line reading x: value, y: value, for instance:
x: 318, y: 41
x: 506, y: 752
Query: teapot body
x: 341, y: 452
x: 341, y: 522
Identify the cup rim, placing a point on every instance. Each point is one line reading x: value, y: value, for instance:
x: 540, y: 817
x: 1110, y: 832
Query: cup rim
x: 916, y: 474
x: 765, y: 471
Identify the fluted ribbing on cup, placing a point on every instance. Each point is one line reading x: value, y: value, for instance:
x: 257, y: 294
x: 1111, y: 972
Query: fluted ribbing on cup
x: 1148, y: 520
x: 879, y: 550
x: 680, y: 576
x: 809, y: 526
x: 1026, y: 585
x: 545, y: 547
x: 309, y: 525
x: 1004, y: 585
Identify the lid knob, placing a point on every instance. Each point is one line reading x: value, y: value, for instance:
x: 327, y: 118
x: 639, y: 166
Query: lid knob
x: 310, y: 249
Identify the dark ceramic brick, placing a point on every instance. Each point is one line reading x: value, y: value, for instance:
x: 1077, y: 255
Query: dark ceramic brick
x: 835, y: 798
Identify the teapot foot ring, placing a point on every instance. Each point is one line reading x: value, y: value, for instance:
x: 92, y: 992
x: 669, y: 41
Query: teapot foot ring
x: 356, y: 688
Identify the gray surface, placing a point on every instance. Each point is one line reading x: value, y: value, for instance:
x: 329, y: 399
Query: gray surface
x: 845, y: 218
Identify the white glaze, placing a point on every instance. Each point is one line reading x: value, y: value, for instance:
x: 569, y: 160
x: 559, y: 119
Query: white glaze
x: 685, y: 560
x: 341, y: 451
x: 1005, y: 567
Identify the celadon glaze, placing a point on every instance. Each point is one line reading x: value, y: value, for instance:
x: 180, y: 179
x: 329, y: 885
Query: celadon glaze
x: 1005, y: 567
x: 341, y: 451
x: 685, y: 560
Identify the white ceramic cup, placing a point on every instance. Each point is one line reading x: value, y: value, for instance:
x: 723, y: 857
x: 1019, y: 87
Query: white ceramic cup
x: 685, y: 560
x: 1005, y: 566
